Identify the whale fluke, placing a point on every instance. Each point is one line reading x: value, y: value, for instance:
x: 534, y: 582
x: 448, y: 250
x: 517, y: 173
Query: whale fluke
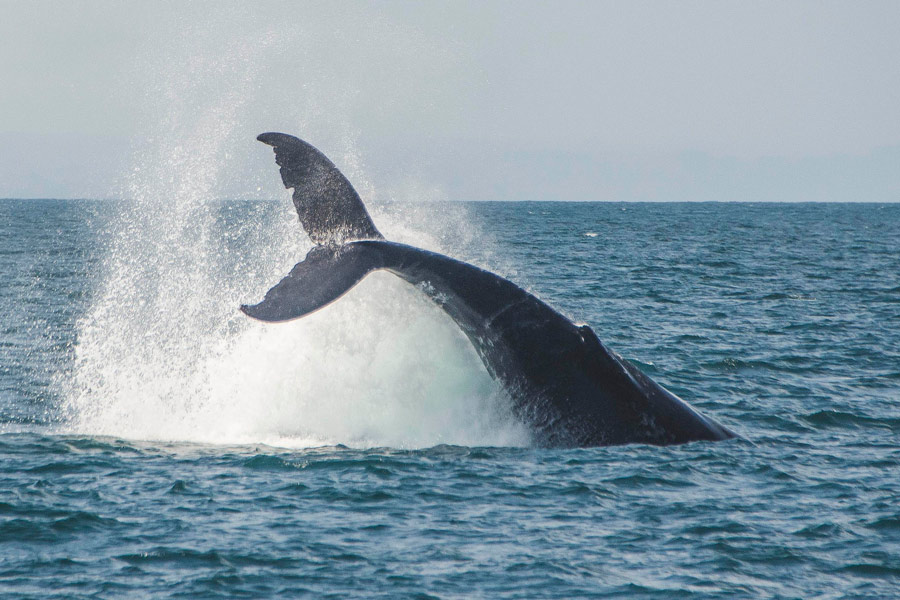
x: 326, y: 274
x: 330, y: 210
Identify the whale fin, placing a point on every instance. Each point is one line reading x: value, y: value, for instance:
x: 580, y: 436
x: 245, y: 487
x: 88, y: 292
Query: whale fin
x: 329, y: 208
x: 326, y: 274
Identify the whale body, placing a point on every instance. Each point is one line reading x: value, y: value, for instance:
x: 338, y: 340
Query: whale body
x: 564, y: 382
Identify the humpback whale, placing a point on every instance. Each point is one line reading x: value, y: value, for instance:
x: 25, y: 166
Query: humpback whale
x: 565, y: 383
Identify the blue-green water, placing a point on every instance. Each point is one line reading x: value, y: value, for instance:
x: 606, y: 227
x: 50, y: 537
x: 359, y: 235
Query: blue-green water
x: 154, y: 443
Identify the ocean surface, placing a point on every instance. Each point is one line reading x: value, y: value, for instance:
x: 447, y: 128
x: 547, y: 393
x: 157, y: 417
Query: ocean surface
x: 156, y: 443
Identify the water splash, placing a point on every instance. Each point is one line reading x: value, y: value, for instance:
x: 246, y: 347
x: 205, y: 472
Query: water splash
x: 163, y: 353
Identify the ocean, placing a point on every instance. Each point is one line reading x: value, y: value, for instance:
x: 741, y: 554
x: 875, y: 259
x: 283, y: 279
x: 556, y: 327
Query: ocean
x: 156, y: 443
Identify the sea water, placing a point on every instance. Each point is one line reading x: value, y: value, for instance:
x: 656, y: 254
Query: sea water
x: 156, y: 443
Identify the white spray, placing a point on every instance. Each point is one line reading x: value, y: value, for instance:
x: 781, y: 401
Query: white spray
x: 164, y: 354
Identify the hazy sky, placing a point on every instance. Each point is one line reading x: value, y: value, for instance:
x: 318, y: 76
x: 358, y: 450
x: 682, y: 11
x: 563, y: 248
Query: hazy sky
x: 461, y: 100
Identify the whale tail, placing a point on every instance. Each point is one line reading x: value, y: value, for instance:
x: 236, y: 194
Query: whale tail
x: 332, y: 214
x: 326, y: 274
x: 329, y: 209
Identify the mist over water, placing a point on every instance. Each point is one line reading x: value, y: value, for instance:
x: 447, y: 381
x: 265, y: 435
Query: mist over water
x: 163, y: 353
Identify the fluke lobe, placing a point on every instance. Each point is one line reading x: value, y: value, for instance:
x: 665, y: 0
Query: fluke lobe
x: 570, y: 388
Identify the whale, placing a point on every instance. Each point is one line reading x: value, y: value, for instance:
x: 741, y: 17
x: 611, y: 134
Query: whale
x: 569, y: 388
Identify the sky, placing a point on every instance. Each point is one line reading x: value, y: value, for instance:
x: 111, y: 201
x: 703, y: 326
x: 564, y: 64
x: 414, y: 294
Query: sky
x: 496, y: 100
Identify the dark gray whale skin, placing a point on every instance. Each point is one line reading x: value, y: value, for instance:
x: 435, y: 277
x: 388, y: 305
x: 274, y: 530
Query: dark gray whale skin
x: 570, y: 388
